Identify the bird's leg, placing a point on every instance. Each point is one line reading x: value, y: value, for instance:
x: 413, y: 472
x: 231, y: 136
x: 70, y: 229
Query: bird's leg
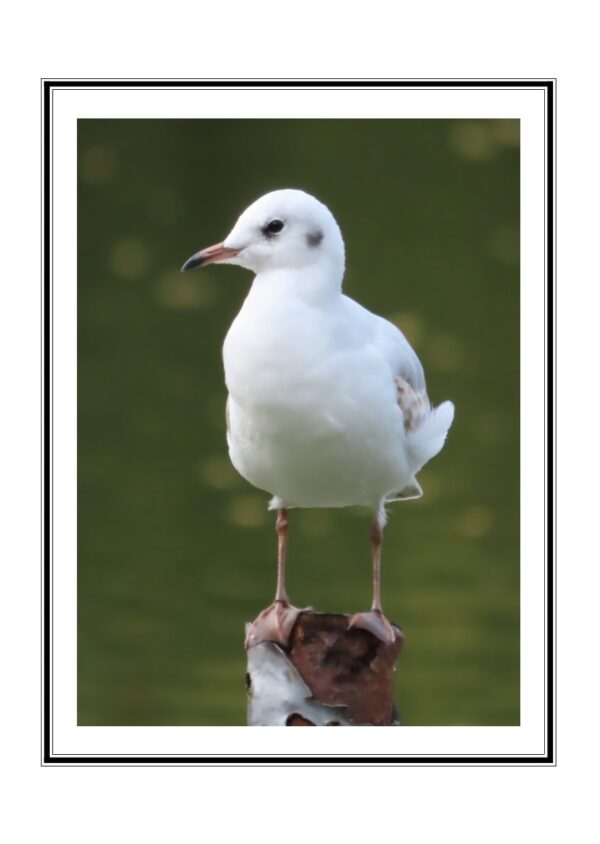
x: 274, y: 624
x: 281, y: 526
x: 375, y: 621
x: 376, y: 543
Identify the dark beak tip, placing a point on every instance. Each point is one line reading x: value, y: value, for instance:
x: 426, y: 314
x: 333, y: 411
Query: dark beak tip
x: 192, y: 262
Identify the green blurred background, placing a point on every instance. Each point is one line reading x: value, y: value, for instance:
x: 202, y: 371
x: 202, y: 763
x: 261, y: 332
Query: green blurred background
x: 176, y: 551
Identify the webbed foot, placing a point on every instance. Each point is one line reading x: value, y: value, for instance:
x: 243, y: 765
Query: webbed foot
x: 376, y: 623
x: 273, y: 624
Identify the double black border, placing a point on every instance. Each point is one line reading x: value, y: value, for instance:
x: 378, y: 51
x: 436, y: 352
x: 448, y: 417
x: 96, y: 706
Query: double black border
x: 48, y: 86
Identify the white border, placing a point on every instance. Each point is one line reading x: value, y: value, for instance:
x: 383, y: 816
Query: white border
x: 527, y: 105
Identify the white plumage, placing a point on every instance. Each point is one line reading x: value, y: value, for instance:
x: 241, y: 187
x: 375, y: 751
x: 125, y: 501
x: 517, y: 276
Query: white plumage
x: 327, y: 402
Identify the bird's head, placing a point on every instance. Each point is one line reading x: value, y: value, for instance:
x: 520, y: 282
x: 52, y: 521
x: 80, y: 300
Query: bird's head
x: 283, y: 230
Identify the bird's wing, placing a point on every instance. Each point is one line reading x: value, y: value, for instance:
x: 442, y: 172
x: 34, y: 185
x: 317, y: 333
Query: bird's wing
x: 426, y: 427
x: 407, y: 371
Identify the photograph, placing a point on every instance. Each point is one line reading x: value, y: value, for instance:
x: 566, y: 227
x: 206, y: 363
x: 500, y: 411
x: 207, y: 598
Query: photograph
x: 298, y: 422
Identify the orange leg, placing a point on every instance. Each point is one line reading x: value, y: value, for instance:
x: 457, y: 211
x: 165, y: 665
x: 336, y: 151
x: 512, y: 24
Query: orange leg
x: 281, y: 526
x: 375, y: 621
x: 275, y: 623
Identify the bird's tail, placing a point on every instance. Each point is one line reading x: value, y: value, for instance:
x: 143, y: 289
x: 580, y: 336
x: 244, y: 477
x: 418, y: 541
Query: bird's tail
x: 428, y: 439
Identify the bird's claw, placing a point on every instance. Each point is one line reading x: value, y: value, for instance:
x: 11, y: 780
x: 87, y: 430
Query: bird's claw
x: 273, y: 624
x: 376, y: 623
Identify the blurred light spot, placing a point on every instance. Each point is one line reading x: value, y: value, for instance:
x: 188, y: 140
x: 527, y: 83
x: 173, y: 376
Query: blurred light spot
x: 218, y: 473
x: 475, y: 522
x: 247, y: 511
x: 129, y: 258
x: 410, y: 325
x: 314, y: 523
x: 445, y: 352
x: 472, y: 140
x: 507, y: 132
x: 504, y: 244
x: 97, y: 165
x: 182, y: 290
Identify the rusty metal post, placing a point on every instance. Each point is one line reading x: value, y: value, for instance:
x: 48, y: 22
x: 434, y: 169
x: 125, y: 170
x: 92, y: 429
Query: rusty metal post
x: 328, y: 676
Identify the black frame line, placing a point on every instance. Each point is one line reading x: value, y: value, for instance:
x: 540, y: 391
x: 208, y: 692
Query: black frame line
x: 548, y: 85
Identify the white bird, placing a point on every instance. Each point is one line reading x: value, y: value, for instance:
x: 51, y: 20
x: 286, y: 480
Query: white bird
x: 327, y: 402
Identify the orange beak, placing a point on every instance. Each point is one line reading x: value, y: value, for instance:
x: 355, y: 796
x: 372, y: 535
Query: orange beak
x: 211, y: 255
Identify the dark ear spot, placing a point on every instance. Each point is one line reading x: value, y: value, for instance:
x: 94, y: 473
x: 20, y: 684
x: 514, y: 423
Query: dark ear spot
x: 314, y: 238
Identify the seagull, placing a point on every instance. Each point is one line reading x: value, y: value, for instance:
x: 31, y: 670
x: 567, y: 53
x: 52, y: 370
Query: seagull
x: 327, y: 403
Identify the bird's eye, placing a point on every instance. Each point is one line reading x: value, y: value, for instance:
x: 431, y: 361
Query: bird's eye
x: 273, y: 227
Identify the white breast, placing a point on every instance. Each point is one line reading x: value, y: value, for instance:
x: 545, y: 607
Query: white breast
x: 313, y: 416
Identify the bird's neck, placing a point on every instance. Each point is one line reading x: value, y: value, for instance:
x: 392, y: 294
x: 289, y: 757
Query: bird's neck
x: 318, y: 285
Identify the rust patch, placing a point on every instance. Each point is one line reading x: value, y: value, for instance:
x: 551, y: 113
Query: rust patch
x: 344, y: 667
x: 297, y: 720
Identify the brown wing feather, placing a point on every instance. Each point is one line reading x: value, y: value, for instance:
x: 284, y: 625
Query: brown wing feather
x: 414, y: 405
